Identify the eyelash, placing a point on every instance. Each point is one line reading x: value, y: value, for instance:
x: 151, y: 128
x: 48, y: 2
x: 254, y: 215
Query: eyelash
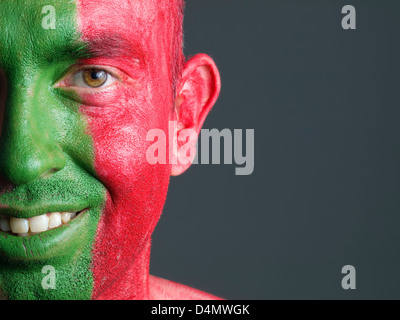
x: 79, y: 81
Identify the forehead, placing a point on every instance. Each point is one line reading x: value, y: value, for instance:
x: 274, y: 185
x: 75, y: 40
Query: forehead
x: 137, y: 21
x: 99, y: 13
x: 24, y: 40
x: 143, y: 24
x: 134, y: 16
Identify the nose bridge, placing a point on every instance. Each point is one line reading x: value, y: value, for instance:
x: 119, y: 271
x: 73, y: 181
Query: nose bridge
x: 27, y: 145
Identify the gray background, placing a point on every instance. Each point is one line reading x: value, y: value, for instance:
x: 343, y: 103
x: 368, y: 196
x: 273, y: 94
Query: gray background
x: 324, y: 103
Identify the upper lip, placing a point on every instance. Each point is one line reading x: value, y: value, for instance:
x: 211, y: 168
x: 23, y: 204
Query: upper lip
x: 64, y: 194
x: 30, y: 212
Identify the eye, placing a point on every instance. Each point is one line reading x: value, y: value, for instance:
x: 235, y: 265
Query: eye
x: 94, y: 77
x: 91, y: 78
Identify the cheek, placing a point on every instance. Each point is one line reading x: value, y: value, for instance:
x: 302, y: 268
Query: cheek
x: 119, y: 137
x: 136, y: 188
x: 122, y: 166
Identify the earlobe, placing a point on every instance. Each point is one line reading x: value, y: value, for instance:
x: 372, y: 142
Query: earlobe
x: 197, y: 93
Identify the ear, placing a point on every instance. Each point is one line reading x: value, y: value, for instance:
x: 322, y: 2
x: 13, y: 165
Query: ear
x: 196, y: 94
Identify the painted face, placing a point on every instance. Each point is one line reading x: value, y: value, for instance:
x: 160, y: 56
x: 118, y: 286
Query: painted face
x: 76, y: 104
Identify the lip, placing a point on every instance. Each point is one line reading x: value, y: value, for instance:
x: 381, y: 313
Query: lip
x: 33, y: 210
x: 57, y: 242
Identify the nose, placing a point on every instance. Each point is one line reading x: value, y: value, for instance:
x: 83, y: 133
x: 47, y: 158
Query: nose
x: 28, y: 148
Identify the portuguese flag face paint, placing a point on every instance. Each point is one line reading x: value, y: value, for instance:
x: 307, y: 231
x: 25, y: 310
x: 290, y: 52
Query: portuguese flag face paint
x: 69, y: 144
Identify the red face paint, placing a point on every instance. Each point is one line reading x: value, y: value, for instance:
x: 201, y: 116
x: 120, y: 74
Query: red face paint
x: 142, y: 34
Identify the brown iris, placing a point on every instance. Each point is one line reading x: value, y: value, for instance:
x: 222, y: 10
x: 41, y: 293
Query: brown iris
x: 94, y: 77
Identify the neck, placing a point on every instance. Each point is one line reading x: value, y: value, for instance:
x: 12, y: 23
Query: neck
x: 133, y: 284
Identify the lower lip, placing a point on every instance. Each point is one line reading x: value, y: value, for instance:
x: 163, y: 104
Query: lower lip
x: 46, y: 245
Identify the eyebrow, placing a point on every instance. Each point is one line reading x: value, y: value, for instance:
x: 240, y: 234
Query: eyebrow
x: 115, y: 46
x: 104, y: 45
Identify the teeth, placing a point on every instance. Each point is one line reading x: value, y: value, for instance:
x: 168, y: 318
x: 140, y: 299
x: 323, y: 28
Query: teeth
x: 26, y: 227
x: 19, y: 225
x: 65, y: 217
x: 39, y: 224
x: 5, y: 224
x: 55, y: 220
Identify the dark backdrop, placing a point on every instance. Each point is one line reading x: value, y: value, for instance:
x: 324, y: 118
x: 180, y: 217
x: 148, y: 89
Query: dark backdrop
x: 324, y: 103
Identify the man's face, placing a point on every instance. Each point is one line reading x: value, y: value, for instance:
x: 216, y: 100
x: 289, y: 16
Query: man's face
x: 76, y: 104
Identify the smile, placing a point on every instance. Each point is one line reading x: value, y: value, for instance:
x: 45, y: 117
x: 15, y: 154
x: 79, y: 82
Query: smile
x: 39, y: 224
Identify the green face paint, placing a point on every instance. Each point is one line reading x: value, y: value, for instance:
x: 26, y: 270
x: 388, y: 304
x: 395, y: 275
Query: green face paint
x: 65, y: 147
x: 45, y: 154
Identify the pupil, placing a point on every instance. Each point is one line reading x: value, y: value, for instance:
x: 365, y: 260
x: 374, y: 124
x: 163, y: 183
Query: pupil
x: 96, y: 75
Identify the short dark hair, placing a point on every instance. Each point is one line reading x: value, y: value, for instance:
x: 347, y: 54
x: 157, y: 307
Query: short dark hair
x: 178, y: 45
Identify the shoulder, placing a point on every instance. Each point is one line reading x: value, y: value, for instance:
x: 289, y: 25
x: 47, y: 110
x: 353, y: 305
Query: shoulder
x: 161, y: 289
